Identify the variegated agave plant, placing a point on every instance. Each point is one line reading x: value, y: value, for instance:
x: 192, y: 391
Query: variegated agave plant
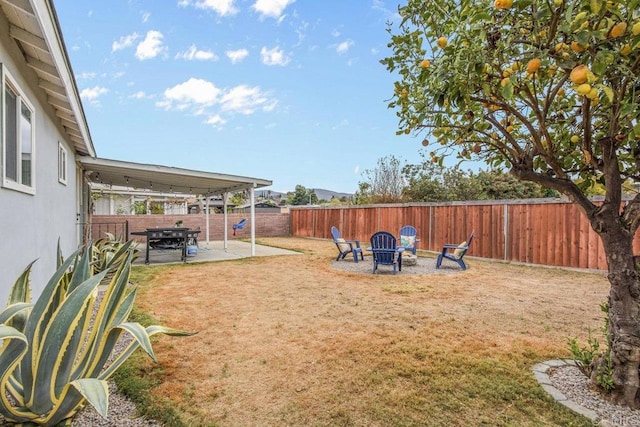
x: 55, y: 353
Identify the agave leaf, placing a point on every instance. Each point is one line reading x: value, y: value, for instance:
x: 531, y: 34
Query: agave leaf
x: 108, y: 309
x: 96, y: 392
x: 133, y: 345
x: 8, y: 313
x: 38, y: 320
x: 74, y: 348
x: 81, y: 271
x: 139, y: 333
x: 55, y: 339
x: 107, y: 345
x: 13, y: 349
x: 21, y: 291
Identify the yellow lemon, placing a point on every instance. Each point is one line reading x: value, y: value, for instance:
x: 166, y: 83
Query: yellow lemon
x: 577, y: 47
x: 617, y: 30
x: 442, y: 42
x: 561, y: 92
x: 533, y: 65
x: 502, y: 4
x: 509, y: 129
x: 505, y: 81
x: 626, y: 50
x: 635, y: 30
x: 579, y: 74
x: 593, y: 93
x: 425, y: 63
x: 584, y: 89
x: 575, y: 139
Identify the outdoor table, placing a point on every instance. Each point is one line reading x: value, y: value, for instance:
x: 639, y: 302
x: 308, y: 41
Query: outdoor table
x: 399, y: 250
x: 168, y: 238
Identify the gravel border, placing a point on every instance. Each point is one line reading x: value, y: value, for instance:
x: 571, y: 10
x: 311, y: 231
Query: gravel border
x: 569, y: 386
x: 423, y: 265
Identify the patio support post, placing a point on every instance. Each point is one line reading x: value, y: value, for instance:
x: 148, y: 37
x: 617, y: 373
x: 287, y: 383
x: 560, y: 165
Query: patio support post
x: 252, y: 197
x: 206, y: 217
x: 225, y: 198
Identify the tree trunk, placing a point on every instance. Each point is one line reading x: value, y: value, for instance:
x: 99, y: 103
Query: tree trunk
x: 624, y: 323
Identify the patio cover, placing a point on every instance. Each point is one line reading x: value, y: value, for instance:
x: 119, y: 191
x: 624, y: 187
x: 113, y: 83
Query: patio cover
x: 172, y: 180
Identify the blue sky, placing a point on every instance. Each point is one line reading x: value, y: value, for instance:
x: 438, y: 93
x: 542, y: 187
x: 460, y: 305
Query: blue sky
x: 286, y: 90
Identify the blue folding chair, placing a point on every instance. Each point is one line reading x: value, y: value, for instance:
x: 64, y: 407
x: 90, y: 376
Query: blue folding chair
x: 455, y: 253
x: 385, y: 251
x: 346, y: 247
x: 409, y: 238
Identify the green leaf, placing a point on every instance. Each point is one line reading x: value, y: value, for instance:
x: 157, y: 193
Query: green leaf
x: 96, y: 392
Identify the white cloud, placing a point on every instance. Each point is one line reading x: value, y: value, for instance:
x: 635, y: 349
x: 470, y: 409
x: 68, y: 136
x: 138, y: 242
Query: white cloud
x: 237, y: 55
x: 356, y: 170
x: 344, y: 47
x: 243, y: 99
x: 151, y: 46
x: 86, y: 75
x: 193, y: 92
x: 274, y: 56
x: 194, y: 54
x: 271, y: 8
x: 124, y: 42
x: 91, y: 95
x: 216, y: 121
x: 221, y: 7
x: 201, y: 97
x: 145, y: 16
x: 138, y: 95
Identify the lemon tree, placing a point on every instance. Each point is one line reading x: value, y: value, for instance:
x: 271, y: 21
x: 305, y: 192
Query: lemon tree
x: 550, y: 91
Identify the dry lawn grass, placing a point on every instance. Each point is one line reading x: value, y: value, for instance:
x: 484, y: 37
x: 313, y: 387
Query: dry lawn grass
x: 290, y: 341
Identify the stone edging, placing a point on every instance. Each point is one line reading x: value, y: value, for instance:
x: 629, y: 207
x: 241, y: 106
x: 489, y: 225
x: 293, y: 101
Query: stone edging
x: 540, y: 372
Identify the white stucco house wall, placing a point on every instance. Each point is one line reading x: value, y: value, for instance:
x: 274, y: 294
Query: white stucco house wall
x: 43, y: 130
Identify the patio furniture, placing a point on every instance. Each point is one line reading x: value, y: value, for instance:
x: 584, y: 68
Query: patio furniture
x: 385, y: 252
x: 455, y: 252
x: 168, y: 238
x: 346, y: 247
x: 239, y: 226
x: 409, y: 238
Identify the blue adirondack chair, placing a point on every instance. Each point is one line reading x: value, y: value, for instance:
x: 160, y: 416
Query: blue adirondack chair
x: 239, y: 226
x: 455, y: 252
x: 346, y: 247
x: 409, y: 238
x: 385, y: 251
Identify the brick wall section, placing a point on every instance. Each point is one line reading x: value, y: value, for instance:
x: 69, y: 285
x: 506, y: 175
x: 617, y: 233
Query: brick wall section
x: 267, y: 224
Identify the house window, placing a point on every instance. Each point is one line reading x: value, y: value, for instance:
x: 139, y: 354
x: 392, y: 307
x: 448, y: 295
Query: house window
x: 18, y: 138
x: 62, y: 164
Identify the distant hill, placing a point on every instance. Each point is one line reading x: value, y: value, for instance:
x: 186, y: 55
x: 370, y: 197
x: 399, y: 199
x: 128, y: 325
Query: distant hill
x: 328, y: 194
x: 322, y: 194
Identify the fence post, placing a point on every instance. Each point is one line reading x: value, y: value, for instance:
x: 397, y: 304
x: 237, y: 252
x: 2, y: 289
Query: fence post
x: 506, y: 232
x: 430, y: 227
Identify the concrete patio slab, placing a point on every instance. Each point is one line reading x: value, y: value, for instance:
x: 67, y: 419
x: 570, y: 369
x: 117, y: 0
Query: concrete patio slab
x: 208, y: 252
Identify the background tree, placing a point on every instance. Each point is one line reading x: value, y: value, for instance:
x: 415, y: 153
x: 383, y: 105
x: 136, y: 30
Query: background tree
x: 497, y: 185
x: 549, y: 89
x: 384, y: 184
x: 302, y: 196
x: 432, y: 182
x: 238, y: 199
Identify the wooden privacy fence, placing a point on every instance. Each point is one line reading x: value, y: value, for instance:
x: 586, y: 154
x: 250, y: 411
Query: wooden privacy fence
x: 534, y: 231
